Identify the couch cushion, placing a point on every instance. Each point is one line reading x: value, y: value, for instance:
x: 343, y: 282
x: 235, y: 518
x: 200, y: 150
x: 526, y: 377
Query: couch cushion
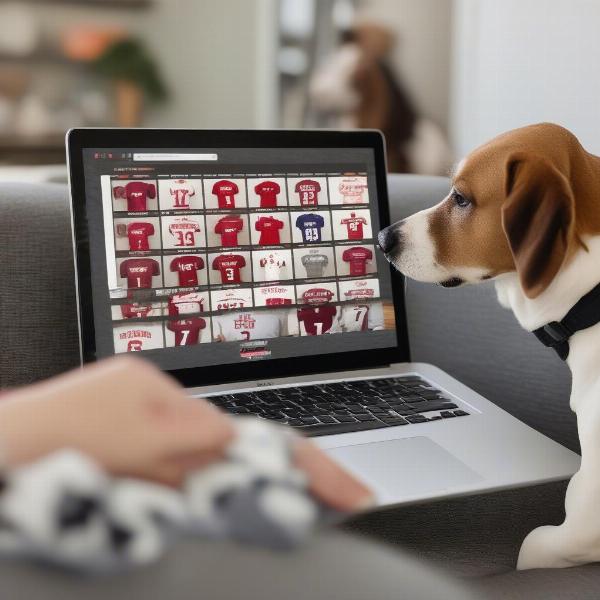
x: 473, y: 536
x: 37, y: 296
x: 330, y: 566
x: 577, y: 583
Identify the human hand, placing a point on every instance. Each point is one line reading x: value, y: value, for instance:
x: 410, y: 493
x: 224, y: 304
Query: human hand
x: 126, y: 414
x: 135, y: 421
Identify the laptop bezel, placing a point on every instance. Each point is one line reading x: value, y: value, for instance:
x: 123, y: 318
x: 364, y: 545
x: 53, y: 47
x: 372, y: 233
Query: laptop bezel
x: 110, y: 139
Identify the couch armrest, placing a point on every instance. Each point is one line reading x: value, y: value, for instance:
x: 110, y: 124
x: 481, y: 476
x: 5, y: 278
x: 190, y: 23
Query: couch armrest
x: 38, y: 336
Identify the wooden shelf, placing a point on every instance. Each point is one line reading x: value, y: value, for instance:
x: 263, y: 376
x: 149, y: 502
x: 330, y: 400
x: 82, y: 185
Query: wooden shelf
x: 34, y: 150
x: 39, y: 57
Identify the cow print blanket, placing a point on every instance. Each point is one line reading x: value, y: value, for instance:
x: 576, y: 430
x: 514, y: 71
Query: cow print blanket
x: 65, y: 510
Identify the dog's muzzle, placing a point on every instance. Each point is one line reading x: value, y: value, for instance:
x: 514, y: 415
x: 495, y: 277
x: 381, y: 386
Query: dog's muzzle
x: 390, y: 240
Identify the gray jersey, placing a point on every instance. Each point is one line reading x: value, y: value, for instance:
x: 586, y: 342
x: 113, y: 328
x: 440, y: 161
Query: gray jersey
x: 315, y: 264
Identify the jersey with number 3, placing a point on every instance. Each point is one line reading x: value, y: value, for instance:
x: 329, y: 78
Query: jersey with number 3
x: 229, y: 265
x: 247, y: 326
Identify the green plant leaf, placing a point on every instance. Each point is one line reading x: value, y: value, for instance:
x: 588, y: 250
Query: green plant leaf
x: 128, y: 60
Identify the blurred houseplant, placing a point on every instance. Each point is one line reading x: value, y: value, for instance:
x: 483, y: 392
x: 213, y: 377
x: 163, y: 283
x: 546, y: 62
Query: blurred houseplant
x: 136, y: 77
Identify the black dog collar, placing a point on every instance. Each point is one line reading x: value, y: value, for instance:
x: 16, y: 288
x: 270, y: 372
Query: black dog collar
x: 584, y: 314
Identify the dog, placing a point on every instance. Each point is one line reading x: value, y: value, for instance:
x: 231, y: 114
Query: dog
x: 359, y: 89
x: 524, y: 210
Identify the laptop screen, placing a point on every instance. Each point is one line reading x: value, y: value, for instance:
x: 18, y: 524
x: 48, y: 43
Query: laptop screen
x: 202, y: 257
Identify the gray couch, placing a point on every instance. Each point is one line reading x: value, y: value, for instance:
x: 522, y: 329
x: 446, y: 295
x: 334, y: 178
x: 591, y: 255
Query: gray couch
x: 463, y: 331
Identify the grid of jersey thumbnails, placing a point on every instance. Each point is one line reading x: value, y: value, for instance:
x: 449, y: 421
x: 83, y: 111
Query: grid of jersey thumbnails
x: 232, y: 259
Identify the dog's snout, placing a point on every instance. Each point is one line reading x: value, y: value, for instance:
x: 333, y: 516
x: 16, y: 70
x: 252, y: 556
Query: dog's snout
x: 390, y: 238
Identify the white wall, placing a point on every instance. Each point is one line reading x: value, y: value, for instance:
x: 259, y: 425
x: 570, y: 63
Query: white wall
x: 423, y: 52
x: 524, y: 61
x: 218, y: 58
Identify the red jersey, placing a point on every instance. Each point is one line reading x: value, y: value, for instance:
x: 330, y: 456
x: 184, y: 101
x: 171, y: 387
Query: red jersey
x: 137, y: 194
x: 268, y: 191
x: 317, y: 296
x: 278, y: 301
x: 229, y: 266
x: 139, y: 272
x: 135, y: 311
x: 187, y: 267
x: 317, y: 320
x: 225, y: 192
x: 358, y: 258
x: 354, y: 225
x: 308, y: 191
x: 187, y: 331
x: 228, y: 228
x: 138, y: 234
x: 184, y: 231
x: 269, y: 230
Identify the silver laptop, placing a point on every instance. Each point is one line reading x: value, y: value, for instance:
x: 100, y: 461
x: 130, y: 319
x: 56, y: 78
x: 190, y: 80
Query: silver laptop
x: 244, y: 263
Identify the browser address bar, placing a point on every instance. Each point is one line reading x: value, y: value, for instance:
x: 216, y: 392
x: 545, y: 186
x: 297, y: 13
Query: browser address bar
x: 170, y: 156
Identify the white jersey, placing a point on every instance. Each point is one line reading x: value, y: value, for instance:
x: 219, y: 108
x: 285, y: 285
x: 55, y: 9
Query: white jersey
x: 352, y: 189
x: 275, y: 295
x: 231, y: 299
x: 242, y: 326
x: 272, y: 264
x: 181, y: 191
x: 184, y: 231
x: 135, y: 338
x: 188, y: 303
x: 362, y: 317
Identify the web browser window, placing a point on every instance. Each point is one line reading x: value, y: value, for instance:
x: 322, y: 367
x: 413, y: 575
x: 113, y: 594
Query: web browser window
x: 206, y: 257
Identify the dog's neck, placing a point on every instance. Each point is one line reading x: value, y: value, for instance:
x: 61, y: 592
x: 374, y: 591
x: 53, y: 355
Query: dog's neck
x: 574, y: 280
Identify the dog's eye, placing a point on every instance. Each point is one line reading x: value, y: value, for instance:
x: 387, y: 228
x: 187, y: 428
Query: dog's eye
x: 460, y: 200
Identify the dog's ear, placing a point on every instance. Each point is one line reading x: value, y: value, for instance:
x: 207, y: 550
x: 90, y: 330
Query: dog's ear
x: 375, y: 40
x: 538, y: 219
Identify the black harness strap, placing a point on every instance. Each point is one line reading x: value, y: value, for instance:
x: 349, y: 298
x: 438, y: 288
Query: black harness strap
x: 584, y: 314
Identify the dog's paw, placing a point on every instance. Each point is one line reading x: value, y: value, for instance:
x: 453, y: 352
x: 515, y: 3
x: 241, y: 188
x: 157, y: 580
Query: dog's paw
x: 555, y: 547
x: 540, y: 550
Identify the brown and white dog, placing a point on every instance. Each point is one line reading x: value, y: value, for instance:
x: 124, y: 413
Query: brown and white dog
x: 524, y: 210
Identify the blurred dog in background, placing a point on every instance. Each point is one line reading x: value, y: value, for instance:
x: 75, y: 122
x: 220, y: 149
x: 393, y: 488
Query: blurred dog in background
x: 357, y: 86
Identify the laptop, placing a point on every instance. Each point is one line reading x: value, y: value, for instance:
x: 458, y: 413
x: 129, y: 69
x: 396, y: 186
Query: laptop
x: 244, y: 264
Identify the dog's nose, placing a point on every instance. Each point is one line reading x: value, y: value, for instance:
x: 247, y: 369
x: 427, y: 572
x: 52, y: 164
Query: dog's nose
x: 389, y: 238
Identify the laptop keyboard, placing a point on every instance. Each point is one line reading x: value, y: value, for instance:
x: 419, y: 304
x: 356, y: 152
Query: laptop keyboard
x: 330, y: 408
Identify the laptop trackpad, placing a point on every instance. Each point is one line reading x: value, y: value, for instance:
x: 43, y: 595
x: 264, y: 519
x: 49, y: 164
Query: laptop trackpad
x: 405, y: 469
